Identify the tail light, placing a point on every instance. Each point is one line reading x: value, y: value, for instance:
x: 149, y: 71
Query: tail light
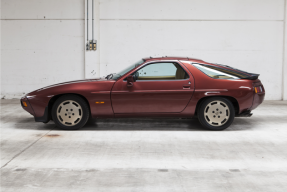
x: 258, y: 89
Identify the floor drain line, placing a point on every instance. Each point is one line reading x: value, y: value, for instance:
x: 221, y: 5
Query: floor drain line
x: 25, y: 149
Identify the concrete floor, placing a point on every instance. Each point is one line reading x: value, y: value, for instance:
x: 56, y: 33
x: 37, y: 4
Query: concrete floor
x: 145, y: 155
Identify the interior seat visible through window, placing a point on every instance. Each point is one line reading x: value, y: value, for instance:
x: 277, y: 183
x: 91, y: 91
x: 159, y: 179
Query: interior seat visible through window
x: 180, y: 73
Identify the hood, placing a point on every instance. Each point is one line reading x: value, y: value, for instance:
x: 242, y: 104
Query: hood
x: 69, y: 83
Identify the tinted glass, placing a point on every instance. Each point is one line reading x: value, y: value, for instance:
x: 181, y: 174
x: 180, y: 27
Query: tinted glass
x: 220, y: 73
x: 125, y: 70
x: 161, y: 71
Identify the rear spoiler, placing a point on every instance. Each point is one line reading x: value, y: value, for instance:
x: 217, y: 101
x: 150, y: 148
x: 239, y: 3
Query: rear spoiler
x: 252, y: 76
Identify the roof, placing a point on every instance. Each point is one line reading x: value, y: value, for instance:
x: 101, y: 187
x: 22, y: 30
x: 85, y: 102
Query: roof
x: 171, y: 58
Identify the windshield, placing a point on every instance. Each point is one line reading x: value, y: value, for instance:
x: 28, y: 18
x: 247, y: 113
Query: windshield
x: 116, y: 76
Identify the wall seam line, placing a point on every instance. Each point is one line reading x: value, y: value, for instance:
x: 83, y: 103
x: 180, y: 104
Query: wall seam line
x: 283, y: 54
x: 187, y: 20
x: 42, y: 19
x: 99, y: 36
x: 145, y: 20
x: 85, y: 37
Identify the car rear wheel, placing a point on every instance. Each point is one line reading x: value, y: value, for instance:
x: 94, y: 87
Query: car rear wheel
x: 70, y: 112
x: 216, y: 113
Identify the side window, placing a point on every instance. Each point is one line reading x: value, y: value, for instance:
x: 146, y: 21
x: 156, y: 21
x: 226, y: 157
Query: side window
x: 219, y: 73
x: 161, y: 71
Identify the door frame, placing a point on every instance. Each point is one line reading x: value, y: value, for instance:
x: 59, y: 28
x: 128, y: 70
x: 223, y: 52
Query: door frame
x: 159, y: 114
x: 157, y: 61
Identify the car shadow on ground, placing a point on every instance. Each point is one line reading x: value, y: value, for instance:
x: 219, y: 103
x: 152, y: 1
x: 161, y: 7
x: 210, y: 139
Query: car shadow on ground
x: 124, y: 124
x: 130, y: 124
x: 144, y: 124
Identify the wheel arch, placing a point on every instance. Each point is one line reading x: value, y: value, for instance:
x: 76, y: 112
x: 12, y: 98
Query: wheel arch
x: 231, y: 99
x: 55, y: 97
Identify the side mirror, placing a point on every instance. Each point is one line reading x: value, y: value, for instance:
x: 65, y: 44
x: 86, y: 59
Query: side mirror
x: 130, y: 81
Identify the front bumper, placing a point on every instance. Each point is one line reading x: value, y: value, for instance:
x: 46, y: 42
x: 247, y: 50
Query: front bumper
x: 27, y: 108
x: 45, y: 118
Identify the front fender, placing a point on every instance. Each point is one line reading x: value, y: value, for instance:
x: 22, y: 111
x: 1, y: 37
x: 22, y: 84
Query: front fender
x: 92, y: 91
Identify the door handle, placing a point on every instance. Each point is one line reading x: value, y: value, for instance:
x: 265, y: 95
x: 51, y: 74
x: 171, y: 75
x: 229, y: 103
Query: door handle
x: 186, y: 86
x: 130, y: 84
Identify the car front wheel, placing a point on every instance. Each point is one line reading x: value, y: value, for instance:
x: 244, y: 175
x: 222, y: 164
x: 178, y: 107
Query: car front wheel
x: 70, y: 112
x: 216, y: 113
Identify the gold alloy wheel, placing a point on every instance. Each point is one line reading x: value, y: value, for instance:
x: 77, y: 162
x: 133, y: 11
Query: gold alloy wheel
x: 69, y: 113
x: 216, y: 113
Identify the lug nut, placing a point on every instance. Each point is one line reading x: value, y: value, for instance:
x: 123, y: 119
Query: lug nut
x: 69, y: 116
x: 218, y: 116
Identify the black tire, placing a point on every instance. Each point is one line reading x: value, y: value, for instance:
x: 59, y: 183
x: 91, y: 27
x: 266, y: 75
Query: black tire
x: 213, y: 115
x: 78, y: 117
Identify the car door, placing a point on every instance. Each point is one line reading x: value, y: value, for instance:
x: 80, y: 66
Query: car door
x: 160, y: 87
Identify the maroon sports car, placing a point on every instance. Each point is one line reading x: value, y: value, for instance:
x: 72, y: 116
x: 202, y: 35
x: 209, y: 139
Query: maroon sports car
x: 179, y: 87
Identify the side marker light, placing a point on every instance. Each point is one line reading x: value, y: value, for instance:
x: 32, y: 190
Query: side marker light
x: 24, y: 103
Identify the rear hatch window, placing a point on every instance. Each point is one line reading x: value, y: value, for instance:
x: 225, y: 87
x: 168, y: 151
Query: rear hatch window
x: 224, y: 72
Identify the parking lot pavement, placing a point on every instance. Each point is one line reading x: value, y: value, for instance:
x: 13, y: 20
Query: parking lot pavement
x: 145, y: 154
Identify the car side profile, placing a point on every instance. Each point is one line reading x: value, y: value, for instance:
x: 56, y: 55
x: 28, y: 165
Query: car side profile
x: 178, y: 87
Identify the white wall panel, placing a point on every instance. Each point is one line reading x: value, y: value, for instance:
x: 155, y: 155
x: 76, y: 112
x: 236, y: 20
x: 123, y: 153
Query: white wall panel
x: 252, y: 46
x: 194, y: 10
x: 242, y: 33
x: 42, y: 9
x: 39, y: 53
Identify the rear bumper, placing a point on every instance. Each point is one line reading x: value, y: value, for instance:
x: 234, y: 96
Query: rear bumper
x: 259, y: 94
x: 257, y: 100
